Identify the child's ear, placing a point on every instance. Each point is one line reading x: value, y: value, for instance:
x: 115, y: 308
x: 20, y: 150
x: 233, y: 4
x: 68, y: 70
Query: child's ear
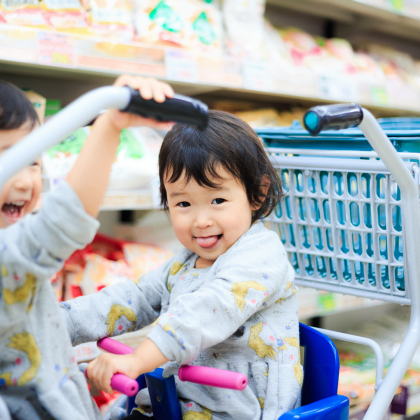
x: 265, y: 185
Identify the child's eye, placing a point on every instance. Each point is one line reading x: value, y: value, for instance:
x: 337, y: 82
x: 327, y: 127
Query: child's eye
x: 35, y: 164
x: 184, y: 204
x: 218, y: 201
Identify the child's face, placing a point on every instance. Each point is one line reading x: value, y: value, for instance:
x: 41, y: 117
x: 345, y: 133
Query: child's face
x: 20, y: 193
x: 208, y: 221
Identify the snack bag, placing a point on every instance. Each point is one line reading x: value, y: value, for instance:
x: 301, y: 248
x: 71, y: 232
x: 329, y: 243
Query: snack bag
x: 23, y: 13
x: 161, y: 22
x: 112, y: 19
x: 100, y: 272
x: 244, y: 27
x: 134, y: 167
x: 205, y: 19
x: 66, y: 16
x: 143, y: 258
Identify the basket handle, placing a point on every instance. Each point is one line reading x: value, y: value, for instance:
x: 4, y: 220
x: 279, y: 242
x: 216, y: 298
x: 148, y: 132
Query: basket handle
x: 332, y: 117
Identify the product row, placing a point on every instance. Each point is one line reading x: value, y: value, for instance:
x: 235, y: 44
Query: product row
x: 235, y: 30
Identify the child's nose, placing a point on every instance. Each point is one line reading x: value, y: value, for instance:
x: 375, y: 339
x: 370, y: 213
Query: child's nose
x: 203, y: 221
x: 23, y: 180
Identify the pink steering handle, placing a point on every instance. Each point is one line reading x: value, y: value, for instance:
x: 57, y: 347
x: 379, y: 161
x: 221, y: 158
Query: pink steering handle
x: 213, y: 377
x: 119, y: 382
x: 123, y: 384
x: 113, y: 346
x: 198, y: 374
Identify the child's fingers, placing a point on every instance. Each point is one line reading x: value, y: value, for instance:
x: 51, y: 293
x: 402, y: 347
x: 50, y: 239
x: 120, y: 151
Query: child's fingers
x: 100, y: 373
x: 148, y: 87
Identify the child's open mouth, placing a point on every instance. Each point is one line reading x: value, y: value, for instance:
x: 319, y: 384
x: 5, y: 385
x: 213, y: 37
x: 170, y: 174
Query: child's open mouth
x: 208, y: 241
x: 13, y: 211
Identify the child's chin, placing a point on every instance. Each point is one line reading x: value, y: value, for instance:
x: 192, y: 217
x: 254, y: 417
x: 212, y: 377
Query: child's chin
x: 6, y: 221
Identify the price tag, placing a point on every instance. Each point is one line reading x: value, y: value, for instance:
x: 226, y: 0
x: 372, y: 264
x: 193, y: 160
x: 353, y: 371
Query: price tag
x: 56, y: 49
x: 181, y: 65
x: 326, y: 302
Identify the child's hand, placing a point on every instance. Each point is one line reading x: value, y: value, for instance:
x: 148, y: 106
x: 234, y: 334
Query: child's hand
x: 101, y: 370
x: 149, y: 88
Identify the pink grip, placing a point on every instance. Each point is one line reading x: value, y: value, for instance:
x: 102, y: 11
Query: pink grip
x: 123, y: 384
x: 113, y: 346
x: 213, y: 377
x: 119, y: 382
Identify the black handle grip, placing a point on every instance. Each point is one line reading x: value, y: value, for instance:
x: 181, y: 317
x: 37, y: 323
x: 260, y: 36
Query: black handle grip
x: 332, y: 117
x: 177, y: 109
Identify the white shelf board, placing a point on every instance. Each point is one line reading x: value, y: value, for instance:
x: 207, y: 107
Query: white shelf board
x: 370, y: 14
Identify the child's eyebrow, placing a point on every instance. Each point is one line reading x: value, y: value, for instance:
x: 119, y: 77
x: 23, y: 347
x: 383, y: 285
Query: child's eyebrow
x: 219, y: 188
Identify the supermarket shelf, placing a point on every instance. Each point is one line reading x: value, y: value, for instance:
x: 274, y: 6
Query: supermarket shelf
x: 128, y: 200
x: 314, y: 303
x: 29, y: 51
x: 376, y: 15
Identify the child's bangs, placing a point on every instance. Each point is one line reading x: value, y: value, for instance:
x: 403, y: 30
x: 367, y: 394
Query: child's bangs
x: 197, y: 164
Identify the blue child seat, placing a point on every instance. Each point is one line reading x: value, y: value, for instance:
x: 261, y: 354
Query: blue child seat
x: 321, y: 367
x: 320, y: 401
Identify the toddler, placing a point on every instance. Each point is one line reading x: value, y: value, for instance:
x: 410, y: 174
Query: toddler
x: 39, y: 378
x: 226, y: 300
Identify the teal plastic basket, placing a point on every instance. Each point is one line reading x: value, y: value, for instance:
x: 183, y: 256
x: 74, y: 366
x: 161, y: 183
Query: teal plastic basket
x: 341, y: 225
x: 404, y: 134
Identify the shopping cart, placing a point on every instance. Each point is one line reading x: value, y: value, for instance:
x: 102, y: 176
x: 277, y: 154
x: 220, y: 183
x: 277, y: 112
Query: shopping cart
x: 319, y: 399
x: 350, y: 221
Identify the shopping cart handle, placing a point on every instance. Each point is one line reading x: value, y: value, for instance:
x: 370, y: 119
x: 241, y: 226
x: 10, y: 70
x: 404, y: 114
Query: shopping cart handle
x: 213, y: 377
x: 180, y: 108
x: 332, y: 117
x: 114, y: 346
x: 121, y: 383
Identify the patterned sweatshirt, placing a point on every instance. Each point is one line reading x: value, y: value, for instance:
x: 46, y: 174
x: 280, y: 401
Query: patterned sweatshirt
x: 239, y: 314
x: 39, y: 377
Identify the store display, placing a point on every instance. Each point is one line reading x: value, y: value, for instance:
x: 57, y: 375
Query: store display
x: 104, y: 262
x: 194, y: 24
x: 134, y: 167
x: 358, y: 363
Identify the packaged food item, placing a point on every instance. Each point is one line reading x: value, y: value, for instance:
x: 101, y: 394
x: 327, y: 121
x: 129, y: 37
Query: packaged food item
x: 143, y: 257
x: 104, y: 262
x: 134, y: 167
x: 66, y: 16
x: 112, y: 19
x: 23, y: 13
x: 100, y: 272
x: 244, y: 27
x: 205, y: 19
x: 161, y: 22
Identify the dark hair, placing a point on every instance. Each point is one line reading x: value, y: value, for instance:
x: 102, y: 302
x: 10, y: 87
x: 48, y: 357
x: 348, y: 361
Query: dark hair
x: 15, y: 108
x: 226, y: 141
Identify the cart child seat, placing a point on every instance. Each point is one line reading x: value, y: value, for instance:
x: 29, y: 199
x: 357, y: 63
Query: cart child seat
x: 321, y: 368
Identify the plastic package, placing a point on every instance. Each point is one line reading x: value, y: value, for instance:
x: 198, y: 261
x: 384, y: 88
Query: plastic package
x: 111, y: 19
x: 134, y: 167
x: 23, y: 13
x: 192, y: 24
x: 66, y: 16
x: 244, y: 27
x: 143, y: 257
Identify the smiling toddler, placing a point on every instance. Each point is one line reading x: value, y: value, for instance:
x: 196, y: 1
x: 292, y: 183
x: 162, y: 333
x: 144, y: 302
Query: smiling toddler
x: 227, y: 300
